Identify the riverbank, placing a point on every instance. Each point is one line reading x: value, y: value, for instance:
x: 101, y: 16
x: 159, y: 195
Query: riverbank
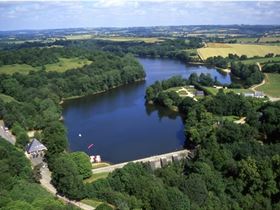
x: 99, y: 92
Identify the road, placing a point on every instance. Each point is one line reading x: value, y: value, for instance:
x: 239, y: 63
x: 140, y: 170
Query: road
x: 181, y: 153
x: 46, y: 183
x: 6, y: 134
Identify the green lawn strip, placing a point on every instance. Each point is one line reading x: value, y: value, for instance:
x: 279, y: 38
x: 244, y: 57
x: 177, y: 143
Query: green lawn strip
x: 91, y: 202
x: 14, y: 68
x: 272, y: 85
x: 7, y: 98
x: 100, y: 165
x: 261, y: 60
x: 64, y: 64
x: 231, y: 118
x: 214, y: 91
x: 96, y: 176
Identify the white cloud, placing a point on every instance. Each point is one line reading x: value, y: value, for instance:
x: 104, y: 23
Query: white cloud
x: 63, y: 14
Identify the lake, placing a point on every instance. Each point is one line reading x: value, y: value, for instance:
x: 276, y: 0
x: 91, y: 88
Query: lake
x: 119, y: 124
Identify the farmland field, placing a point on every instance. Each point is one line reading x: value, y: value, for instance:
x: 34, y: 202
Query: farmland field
x: 216, y: 49
x: 64, y: 64
x: 272, y: 85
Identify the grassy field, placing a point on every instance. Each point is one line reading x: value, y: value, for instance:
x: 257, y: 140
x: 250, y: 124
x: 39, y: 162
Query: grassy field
x: 96, y: 176
x: 6, y: 98
x: 131, y: 39
x: 92, y: 202
x: 115, y: 39
x: 269, y: 39
x: 64, y: 64
x: 215, y: 49
x: 272, y: 85
x: 262, y: 60
x: 100, y: 165
x: 214, y: 91
x: 79, y: 37
x: 231, y: 118
x: 245, y: 40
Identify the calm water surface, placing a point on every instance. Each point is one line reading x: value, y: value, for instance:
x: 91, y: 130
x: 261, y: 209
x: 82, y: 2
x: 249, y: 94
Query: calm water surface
x: 118, y: 123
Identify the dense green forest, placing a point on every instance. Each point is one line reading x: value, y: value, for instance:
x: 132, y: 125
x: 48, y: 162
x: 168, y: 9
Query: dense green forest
x: 272, y: 68
x: 18, y: 188
x: 249, y: 74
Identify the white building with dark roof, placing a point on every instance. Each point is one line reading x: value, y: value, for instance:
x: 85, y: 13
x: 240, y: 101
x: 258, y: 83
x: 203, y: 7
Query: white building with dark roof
x: 35, y: 148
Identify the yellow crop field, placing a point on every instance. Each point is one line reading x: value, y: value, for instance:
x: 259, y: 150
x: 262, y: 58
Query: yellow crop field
x: 216, y: 49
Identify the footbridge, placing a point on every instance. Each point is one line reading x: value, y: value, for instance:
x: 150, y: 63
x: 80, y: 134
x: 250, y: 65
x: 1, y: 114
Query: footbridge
x: 155, y: 162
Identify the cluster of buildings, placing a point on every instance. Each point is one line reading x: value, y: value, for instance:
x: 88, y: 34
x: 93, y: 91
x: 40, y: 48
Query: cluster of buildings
x: 256, y: 94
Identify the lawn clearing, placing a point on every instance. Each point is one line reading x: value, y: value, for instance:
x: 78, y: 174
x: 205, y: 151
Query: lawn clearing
x: 214, y: 90
x: 7, y: 98
x: 79, y: 37
x: 91, y: 202
x: 262, y: 60
x: 131, y: 39
x: 100, y: 165
x: 96, y: 176
x: 14, y: 68
x: 64, y: 64
x: 269, y: 39
x: 216, y: 49
x: 272, y: 85
x: 244, y: 40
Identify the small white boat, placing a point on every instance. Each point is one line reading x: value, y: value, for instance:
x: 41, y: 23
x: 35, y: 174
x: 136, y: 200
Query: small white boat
x: 80, y: 135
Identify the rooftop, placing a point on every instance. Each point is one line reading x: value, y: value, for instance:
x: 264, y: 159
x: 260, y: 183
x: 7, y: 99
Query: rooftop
x: 35, y: 146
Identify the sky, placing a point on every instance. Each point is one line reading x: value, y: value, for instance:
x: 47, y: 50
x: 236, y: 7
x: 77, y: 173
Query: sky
x: 17, y: 15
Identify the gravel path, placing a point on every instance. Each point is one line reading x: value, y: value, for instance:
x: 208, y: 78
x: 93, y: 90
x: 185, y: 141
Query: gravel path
x: 46, y: 183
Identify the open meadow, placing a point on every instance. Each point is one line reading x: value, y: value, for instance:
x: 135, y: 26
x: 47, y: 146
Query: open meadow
x: 7, y: 98
x: 131, y: 39
x: 214, y: 90
x: 272, y: 85
x: 114, y: 38
x: 64, y: 64
x: 269, y: 39
x: 262, y: 60
x: 219, y: 49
